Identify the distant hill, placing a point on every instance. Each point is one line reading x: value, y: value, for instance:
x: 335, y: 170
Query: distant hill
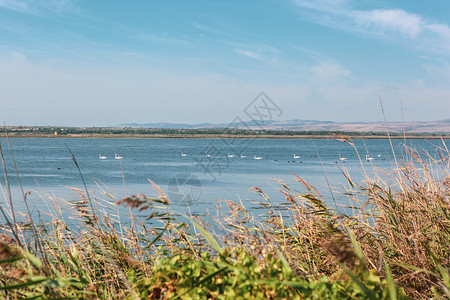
x: 442, y: 126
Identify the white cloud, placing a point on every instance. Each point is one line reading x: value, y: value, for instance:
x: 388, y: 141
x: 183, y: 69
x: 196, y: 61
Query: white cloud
x: 388, y: 23
x: 322, y: 5
x: 393, y: 20
x: 15, y: 5
x: 109, y: 95
x: 440, y: 29
x: 439, y: 72
x: 254, y: 55
x: 198, y: 26
x: 77, y: 95
x: 37, y: 7
x: 417, y: 83
x: 265, y: 54
x: 329, y: 71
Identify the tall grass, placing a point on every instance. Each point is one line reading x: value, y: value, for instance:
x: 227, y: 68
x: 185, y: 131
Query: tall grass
x: 394, y: 245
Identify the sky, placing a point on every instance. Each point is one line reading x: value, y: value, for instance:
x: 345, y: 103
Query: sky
x: 104, y: 63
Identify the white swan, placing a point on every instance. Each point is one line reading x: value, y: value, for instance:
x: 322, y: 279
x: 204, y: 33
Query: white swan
x: 257, y: 157
x: 369, y: 158
x: 101, y: 156
x: 342, y: 158
x: 208, y: 156
x: 183, y: 154
x: 230, y: 155
x: 117, y: 156
x: 243, y: 156
x: 296, y: 156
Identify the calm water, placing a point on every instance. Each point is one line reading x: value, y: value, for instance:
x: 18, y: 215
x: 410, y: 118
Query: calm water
x: 46, y: 167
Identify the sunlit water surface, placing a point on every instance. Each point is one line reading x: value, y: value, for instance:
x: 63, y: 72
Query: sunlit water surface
x: 194, y: 183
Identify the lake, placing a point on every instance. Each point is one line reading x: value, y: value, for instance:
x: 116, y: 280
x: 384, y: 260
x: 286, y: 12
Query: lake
x: 194, y: 181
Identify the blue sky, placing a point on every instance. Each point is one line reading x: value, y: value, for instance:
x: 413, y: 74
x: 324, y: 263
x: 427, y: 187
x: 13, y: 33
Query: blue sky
x: 102, y: 63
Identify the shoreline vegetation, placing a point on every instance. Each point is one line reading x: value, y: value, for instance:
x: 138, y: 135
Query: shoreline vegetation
x: 394, y: 245
x: 219, y: 133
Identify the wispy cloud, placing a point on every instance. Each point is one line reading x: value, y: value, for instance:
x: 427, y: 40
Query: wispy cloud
x: 215, y: 28
x: 387, y: 23
x: 37, y: 7
x: 15, y: 5
x: 261, y: 52
x: 329, y: 71
x: 156, y: 38
x: 251, y: 54
x: 199, y: 26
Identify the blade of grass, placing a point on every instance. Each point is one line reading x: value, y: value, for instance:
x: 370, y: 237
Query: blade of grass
x: 208, y: 237
x: 391, y: 283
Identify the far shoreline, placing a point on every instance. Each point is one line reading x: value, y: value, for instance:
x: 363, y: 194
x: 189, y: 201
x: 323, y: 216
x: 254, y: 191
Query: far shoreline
x: 223, y: 136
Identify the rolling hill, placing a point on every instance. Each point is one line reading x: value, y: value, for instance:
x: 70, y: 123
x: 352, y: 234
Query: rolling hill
x: 441, y: 126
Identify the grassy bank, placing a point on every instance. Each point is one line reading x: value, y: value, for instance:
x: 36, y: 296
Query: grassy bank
x: 218, y: 136
x: 395, y: 244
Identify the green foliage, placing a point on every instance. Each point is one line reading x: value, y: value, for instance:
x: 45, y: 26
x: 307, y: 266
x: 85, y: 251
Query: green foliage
x: 238, y: 275
x: 219, y: 132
